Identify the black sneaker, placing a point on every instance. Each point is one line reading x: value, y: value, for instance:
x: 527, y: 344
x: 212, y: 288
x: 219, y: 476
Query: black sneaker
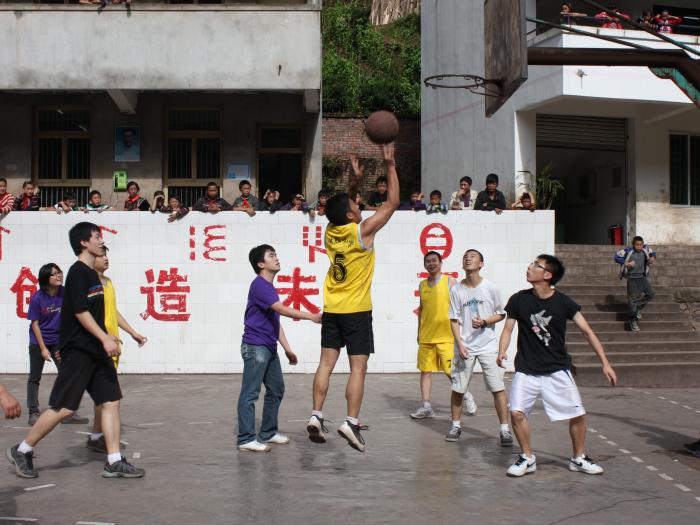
x: 24, y: 463
x: 122, y: 469
x: 352, y: 435
x: 97, y: 445
x: 693, y: 448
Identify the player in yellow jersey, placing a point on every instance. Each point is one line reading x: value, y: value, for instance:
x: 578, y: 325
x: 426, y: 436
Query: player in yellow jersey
x: 435, y: 339
x: 347, y: 301
x: 113, y: 322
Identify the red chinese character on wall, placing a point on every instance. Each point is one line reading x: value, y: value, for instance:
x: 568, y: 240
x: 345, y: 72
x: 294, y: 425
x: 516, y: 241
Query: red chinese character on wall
x: 297, y: 296
x: 315, y: 244
x: 209, y: 238
x: 104, y: 229
x: 425, y: 275
x: 173, y: 296
x: 436, y: 237
x: 24, y: 288
x: 2, y: 230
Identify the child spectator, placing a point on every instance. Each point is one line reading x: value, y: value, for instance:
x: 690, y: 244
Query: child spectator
x: 415, y: 203
x: 319, y: 207
x: 158, y: 201
x: 271, y: 201
x: 94, y: 202
x: 465, y: 197
x: 27, y: 201
x: 491, y: 199
x: 435, y: 205
x: 66, y: 205
x: 611, y: 22
x: 567, y: 15
x: 665, y: 21
x: 246, y: 202
x: 647, y: 19
x: 134, y: 201
x: 298, y: 204
x: 174, y: 208
x: 7, y: 200
x: 211, y: 202
x: 524, y: 203
x: 634, y: 264
x: 360, y: 203
x: 379, y: 196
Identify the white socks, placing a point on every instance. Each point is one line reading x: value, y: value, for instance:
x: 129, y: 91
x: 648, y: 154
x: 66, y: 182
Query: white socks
x: 94, y: 436
x: 504, y: 427
x: 352, y: 420
x: 427, y: 405
x: 24, y: 447
x: 317, y: 413
x: 113, y: 458
x: 457, y: 424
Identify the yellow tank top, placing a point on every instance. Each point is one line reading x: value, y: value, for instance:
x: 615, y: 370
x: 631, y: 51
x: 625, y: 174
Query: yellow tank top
x: 111, y: 315
x: 348, y: 284
x: 435, y: 312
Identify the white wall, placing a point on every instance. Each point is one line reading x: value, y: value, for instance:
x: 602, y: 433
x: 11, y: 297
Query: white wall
x: 209, y: 342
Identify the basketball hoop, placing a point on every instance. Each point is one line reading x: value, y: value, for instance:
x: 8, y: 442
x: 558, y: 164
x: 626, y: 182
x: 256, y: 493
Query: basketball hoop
x: 472, y: 83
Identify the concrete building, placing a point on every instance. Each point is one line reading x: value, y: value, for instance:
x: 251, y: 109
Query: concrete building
x: 625, y: 143
x: 175, y: 95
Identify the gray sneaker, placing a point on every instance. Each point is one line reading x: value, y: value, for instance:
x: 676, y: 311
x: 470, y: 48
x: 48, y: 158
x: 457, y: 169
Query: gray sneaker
x: 97, y: 445
x: 75, y: 419
x: 122, y: 469
x: 422, y: 413
x: 33, y: 417
x: 634, y: 325
x: 23, y: 463
x: 453, y: 434
x: 506, y: 438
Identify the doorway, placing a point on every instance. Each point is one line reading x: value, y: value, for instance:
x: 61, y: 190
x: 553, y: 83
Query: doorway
x: 280, y: 161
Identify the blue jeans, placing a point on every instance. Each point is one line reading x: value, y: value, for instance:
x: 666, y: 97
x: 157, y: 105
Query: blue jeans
x: 260, y: 367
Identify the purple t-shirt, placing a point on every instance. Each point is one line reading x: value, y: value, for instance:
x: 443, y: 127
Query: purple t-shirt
x: 261, y: 323
x: 46, y: 310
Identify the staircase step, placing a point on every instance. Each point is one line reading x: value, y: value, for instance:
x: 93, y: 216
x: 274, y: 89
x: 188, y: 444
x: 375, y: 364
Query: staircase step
x: 618, y: 298
x: 646, y: 375
x: 652, y: 308
x: 594, y: 316
x: 648, y: 323
x: 644, y: 335
x: 672, y: 345
x: 667, y: 250
x: 638, y: 357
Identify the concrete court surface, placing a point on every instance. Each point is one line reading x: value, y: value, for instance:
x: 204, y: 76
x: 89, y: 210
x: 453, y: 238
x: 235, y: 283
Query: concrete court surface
x: 182, y: 430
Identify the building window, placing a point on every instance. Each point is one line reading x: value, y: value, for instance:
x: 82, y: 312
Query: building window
x: 62, y: 147
x: 685, y: 169
x: 193, y: 146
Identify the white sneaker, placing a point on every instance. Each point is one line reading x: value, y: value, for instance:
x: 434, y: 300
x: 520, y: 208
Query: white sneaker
x: 584, y: 464
x: 522, y: 466
x: 422, y: 413
x: 254, y: 446
x: 278, y: 439
x: 317, y: 429
x: 469, y: 404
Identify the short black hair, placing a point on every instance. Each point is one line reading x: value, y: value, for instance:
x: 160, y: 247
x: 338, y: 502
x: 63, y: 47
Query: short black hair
x: 158, y: 192
x: 81, y: 232
x: 492, y: 177
x: 45, y: 274
x: 525, y: 195
x: 554, y: 266
x: 436, y: 193
x: 243, y: 183
x: 637, y: 238
x: 324, y: 193
x: 134, y: 184
x: 337, y: 209
x: 69, y: 196
x: 466, y: 179
x: 3, y: 179
x: 257, y: 255
x: 93, y: 193
x: 176, y: 197
x: 212, y: 184
x: 381, y: 179
x: 481, y: 255
x: 27, y: 183
x: 432, y: 252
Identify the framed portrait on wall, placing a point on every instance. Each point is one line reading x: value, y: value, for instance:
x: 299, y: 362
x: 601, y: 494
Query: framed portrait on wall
x: 127, y: 144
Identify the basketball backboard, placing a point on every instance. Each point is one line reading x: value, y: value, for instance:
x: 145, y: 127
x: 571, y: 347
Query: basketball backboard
x: 505, y: 50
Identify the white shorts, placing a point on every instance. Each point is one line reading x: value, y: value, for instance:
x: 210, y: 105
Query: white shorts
x: 560, y: 395
x: 462, y: 370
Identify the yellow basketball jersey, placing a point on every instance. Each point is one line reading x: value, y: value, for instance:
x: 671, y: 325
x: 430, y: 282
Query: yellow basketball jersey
x: 435, y: 312
x: 111, y: 316
x: 348, y: 284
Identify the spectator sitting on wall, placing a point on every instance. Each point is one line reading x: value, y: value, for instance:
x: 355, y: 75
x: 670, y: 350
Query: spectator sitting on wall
x: 27, y: 201
x: 611, y: 22
x: 567, y: 15
x: 212, y: 201
x: 415, y: 203
x: 465, y: 197
x: 379, y: 196
x: 491, y: 199
x: 524, y: 203
x: 246, y: 202
x: 175, y: 209
x: 319, y: 207
x: 298, y: 204
x: 94, y: 202
x: 271, y: 201
x: 7, y: 200
x: 134, y: 202
x: 68, y: 204
x: 158, y: 201
x: 647, y: 19
x: 436, y: 205
x: 665, y: 20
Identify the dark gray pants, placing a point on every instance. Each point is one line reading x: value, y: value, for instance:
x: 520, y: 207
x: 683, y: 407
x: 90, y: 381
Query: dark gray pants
x: 639, y: 293
x: 36, y: 368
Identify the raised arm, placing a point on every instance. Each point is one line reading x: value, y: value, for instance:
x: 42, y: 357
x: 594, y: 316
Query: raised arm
x: 593, y: 340
x: 358, y: 173
x: 376, y: 222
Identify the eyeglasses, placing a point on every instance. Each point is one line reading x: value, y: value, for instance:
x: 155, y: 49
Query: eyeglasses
x: 55, y: 274
x: 538, y: 265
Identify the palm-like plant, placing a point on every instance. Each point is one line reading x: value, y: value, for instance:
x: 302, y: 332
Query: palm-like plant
x: 547, y: 188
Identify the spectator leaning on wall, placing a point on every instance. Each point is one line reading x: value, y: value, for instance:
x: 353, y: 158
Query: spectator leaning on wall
x: 491, y: 199
x: 28, y: 201
x: 7, y: 200
x: 465, y: 197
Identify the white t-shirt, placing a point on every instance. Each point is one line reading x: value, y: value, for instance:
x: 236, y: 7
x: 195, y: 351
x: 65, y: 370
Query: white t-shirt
x: 482, y: 302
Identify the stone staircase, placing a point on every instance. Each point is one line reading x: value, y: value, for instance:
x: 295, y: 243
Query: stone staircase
x: 666, y: 352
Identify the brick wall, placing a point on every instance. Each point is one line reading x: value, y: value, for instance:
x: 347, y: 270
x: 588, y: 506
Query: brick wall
x: 343, y: 136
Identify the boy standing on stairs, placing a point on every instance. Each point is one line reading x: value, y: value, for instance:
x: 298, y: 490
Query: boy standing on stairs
x: 635, y: 261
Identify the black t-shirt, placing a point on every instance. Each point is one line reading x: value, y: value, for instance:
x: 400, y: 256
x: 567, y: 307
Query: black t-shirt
x: 376, y: 199
x: 83, y: 293
x: 498, y: 201
x: 541, y: 331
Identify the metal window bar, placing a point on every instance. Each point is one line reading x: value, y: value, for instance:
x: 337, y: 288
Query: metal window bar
x: 50, y: 195
x: 188, y: 194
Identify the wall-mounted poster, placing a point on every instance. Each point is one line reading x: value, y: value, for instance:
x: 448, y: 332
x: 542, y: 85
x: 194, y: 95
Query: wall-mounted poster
x: 127, y: 143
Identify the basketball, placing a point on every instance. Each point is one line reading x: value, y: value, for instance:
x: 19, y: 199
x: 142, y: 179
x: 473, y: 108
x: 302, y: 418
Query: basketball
x: 382, y: 127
